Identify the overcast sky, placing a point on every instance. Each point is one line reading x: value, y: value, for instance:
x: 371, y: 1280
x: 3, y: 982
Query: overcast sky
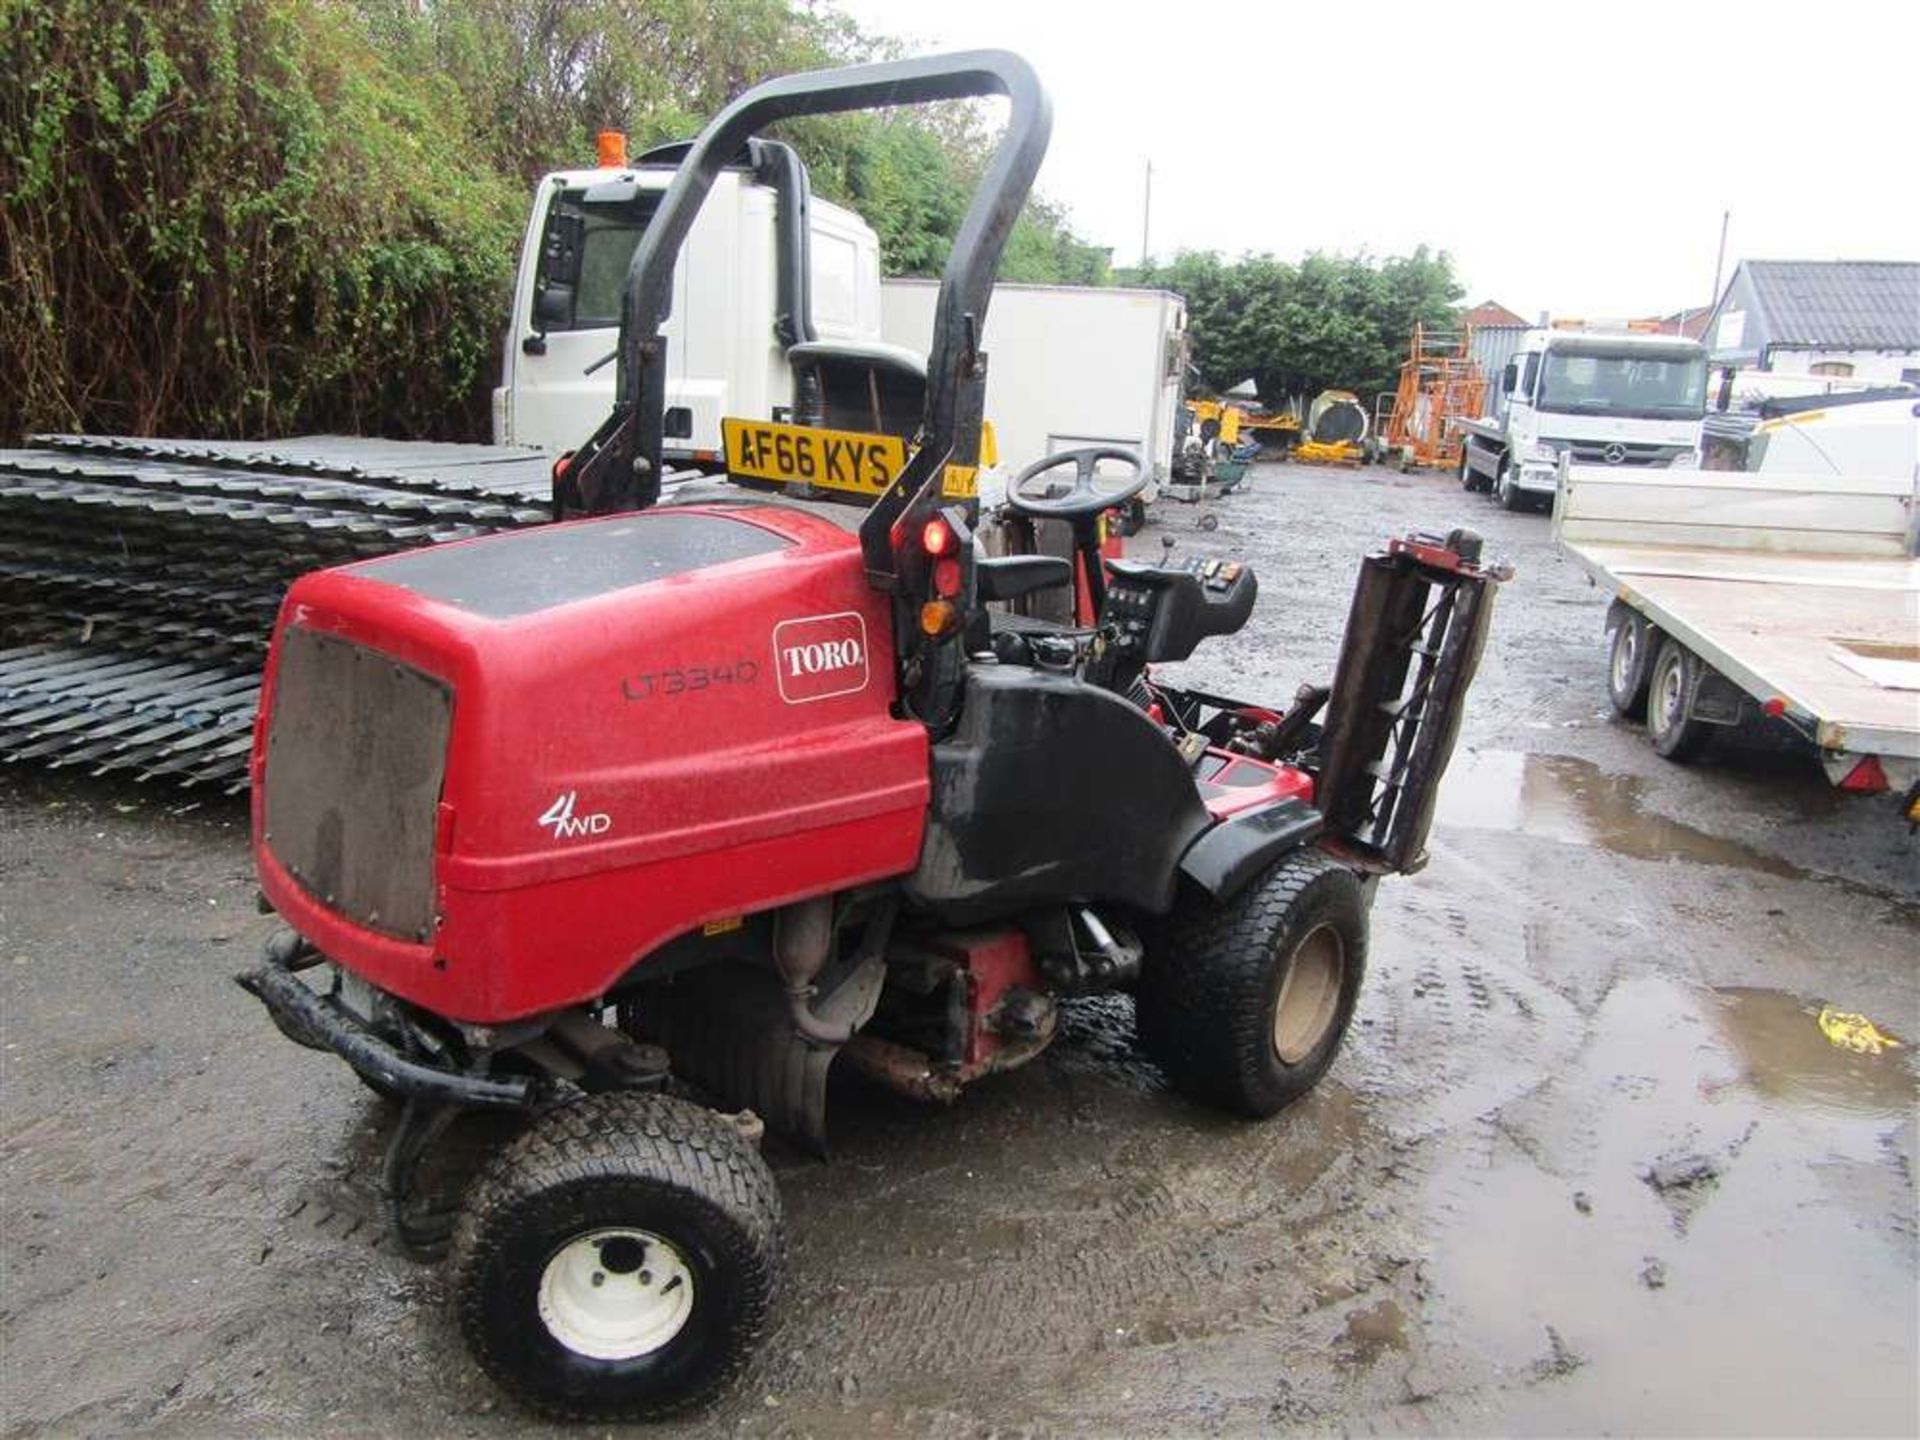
x: 1571, y: 157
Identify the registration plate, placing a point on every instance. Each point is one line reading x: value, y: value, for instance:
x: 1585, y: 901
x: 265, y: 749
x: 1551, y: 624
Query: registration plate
x: 829, y: 459
x: 844, y: 460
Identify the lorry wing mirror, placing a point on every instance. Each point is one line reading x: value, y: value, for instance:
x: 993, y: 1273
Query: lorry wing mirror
x: 561, y: 248
x: 1508, y: 376
x: 553, y: 307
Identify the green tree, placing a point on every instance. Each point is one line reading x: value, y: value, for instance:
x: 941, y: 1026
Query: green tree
x: 1330, y: 321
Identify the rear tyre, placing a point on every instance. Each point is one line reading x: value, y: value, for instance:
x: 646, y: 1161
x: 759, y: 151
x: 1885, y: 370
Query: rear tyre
x: 1675, y: 678
x: 617, y: 1260
x: 1507, y: 491
x: 1245, y: 1004
x: 1630, y: 643
x: 1470, y: 479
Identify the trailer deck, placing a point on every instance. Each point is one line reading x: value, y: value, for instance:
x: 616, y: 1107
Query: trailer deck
x: 1801, y: 589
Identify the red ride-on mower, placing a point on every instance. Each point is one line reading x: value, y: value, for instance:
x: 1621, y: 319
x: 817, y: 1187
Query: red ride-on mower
x: 635, y: 826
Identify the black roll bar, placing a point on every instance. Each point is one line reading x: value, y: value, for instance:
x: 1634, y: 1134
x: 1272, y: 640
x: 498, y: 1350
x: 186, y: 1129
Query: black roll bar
x: 778, y: 166
x: 619, y: 467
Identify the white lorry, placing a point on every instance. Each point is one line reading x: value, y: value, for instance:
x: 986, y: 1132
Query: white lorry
x: 1591, y: 397
x: 767, y: 268
x: 1787, y: 592
x: 1071, y: 366
x: 775, y: 287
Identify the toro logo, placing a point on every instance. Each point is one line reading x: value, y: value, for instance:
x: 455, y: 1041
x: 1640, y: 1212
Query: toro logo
x: 568, y: 826
x: 820, y: 656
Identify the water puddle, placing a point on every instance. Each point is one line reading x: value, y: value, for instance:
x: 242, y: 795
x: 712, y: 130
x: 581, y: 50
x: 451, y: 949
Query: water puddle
x: 1787, y: 1060
x: 1559, y: 797
x: 1709, y: 1187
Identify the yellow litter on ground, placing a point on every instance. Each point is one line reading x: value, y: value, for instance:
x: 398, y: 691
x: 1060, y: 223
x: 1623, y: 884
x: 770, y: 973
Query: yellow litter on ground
x: 1854, y: 1032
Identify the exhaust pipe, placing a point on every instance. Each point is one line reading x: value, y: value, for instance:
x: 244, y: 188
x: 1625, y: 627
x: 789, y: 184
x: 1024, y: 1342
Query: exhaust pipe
x: 802, y: 942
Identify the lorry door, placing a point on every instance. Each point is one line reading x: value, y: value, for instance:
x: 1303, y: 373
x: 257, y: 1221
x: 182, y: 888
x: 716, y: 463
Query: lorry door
x: 567, y: 307
x: 1522, y: 417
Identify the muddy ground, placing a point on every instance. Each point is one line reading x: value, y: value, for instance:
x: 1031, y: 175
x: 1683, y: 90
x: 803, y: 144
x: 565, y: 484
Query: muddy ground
x: 1588, y: 1163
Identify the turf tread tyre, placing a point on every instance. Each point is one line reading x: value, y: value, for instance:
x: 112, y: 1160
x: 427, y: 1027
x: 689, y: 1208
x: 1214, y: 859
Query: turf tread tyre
x: 646, y: 1145
x: 1204, y: 1005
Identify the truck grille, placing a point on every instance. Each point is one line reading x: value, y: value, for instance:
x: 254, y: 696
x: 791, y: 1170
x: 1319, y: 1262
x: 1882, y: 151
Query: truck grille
x: 355, y: 759
x: 1594, y: 452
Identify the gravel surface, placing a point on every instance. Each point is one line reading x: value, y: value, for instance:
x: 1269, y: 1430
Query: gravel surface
x: 1588, y: 1162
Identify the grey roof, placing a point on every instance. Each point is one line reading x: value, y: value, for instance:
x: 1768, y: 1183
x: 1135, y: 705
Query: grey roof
x: 1839, y: 304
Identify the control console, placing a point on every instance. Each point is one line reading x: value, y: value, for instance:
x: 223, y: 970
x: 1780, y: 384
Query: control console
x: 1161, y: 612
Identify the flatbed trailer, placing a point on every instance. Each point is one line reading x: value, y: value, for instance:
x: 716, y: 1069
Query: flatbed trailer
x: 1740, y: 594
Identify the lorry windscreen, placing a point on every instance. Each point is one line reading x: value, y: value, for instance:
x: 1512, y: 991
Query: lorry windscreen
x: 1657, y: 386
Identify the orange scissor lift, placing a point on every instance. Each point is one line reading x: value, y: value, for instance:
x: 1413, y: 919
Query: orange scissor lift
x: 1440, y: 384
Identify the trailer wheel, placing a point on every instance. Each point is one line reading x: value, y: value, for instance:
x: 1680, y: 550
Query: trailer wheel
x: 1630, y: 644
x: 1245, y: 1004
x: 1675, y: 679
x: 617, y: 1260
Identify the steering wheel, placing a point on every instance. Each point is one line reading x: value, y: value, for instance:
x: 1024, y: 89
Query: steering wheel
x: 1083, y: 500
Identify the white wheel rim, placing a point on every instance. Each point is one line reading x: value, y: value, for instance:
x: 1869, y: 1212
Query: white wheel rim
x: 1309, y: 995
x: 1626, y: 656
x: 1668, y: 709
x: 615, y: 1294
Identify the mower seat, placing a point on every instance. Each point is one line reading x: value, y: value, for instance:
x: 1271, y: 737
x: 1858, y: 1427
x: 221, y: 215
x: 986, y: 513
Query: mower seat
x: 1007, y: 577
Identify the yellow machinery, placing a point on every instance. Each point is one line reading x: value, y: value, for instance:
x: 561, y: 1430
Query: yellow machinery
x: 1336, y: 430
x: 1278, y: 432
x: 1440, y: 385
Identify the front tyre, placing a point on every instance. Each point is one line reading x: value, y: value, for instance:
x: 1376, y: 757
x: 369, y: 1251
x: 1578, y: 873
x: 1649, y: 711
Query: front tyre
x: 617, y: 1260
x: 1245, y: 1004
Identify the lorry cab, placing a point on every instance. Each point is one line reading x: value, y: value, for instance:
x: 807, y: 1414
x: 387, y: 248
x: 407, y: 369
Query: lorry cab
x: 1599, y: 397
x: 735, y: 316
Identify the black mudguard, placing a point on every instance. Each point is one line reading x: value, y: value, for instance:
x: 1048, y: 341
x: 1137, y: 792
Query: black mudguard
x: 1226, y: 858
x: 1051, y: 790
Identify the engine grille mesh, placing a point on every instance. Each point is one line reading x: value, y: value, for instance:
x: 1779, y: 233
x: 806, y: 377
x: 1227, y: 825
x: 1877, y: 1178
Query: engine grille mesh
x: 355, y: 760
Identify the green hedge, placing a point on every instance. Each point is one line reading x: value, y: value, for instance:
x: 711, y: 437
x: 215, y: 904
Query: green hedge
x: 265, y: 217
x: 236, y: 218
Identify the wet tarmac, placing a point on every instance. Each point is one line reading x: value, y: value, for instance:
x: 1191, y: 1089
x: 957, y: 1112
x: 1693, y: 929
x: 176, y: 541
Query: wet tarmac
x: 1588, y: 1164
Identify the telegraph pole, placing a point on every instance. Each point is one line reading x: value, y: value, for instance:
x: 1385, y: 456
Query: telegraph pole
x: 1720, y: 260
x: 1146, y: 215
